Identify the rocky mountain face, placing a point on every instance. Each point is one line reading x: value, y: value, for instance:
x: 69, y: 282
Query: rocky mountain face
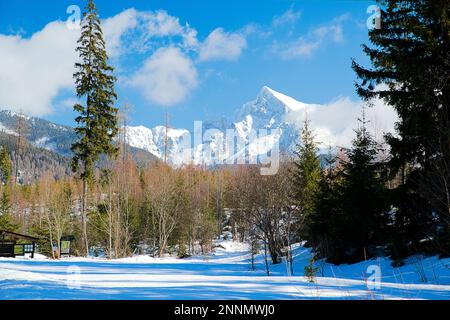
x: 48, y: 145
x: 259, y: 127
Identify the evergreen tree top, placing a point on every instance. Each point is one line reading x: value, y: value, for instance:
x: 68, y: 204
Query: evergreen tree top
x: 410, y: 67
x: 307, y: 144
x: 95, y: 81
x: 362, y: 155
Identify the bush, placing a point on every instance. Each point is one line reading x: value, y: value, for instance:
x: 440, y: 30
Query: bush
x: 311, y: 270
x: 182, y: 251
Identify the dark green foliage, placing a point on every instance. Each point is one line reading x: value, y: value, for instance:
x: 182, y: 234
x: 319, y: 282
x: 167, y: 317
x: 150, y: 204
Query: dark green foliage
x: 351, y: 213
x: 322, y: 232
x: 306, y: 174
x: 311, y: 270
x: 43, y: 244
x: 5, y: 172
x: 98, y: 228
x: 6, y: 221
x: 364, y: 207
x: 207, y: 229
x: 411, y: 222
x: 410, y: 57
x: 5, y: 166
x: 97, y: 122
x: 182, y: 250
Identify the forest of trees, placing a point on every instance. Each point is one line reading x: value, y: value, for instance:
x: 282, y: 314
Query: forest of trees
x: 355, y: 205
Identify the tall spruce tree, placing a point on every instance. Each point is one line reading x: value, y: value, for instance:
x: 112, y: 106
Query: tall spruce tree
x: 364, y: 211
x: 410, y: 57
x: 322, y: 223
x: 97, y: 122
x: 306, y: 176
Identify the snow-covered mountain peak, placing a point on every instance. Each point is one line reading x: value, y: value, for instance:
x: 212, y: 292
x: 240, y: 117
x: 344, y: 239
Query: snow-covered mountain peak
x: 269, y: 111
x: 290, y: 103
x: 270, y: 106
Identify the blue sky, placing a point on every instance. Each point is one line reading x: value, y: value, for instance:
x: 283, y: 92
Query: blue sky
x: 199, y: 59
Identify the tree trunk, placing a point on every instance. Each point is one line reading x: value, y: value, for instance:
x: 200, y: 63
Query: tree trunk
x: 51, y: 240
x: 117, y: 229
x: 83, y: 217
x: 265, y: 258
x: 110, y: 223
x: 253, y: 255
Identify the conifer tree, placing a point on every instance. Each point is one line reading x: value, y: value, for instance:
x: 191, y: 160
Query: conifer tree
x: 5, y: 166
x: 6, y: 222
x: 5, y: 171
x: 322, y: 223
x: 311, y: 270
x: 410, y: 70
x: 306, y: 174
x: 364, y: 210
x: 410, y: 56
x: 97, y: 120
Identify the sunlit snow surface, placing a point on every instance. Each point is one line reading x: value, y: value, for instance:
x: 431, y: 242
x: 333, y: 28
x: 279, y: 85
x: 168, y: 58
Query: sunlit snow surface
x: 226, y: 274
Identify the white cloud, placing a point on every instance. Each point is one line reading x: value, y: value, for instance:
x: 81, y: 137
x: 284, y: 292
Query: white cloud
x: 288, y: 17
x: 141, y: 31
x: 334, y: 122
x: 307, y: 45
x: 34, y: 70
x: 69, y: 102
x: 168, y: 74
x: 161, y: 24
x: 221, y: 45
x: 190, y: 37
x: 167, y: 77
x: 115, y: 27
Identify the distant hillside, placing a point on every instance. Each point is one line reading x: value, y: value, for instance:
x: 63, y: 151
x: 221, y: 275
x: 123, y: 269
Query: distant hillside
x: 48, y: 145
x: 35, y: 161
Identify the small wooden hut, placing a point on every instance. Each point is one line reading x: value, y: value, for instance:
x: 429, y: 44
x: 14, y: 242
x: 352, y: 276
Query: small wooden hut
x: 14, y: 244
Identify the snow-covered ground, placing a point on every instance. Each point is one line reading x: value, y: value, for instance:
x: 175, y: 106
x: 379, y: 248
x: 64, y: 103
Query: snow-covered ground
x: 226, y: 274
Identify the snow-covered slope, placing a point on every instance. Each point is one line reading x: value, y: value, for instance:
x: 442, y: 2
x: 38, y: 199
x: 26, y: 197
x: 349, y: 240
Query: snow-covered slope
x: 224, y: 274
x: 39, y: 132
x: 153, y: 140
x: 259, y: 125
x: 272, y: 110
x: 270, y: 107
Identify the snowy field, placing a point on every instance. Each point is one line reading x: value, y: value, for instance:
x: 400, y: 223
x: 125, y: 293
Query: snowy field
x: 226, y: 274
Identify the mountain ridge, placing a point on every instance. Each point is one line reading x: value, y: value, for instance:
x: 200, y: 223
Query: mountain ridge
x: 48, y: 143
x: 267, y: 112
